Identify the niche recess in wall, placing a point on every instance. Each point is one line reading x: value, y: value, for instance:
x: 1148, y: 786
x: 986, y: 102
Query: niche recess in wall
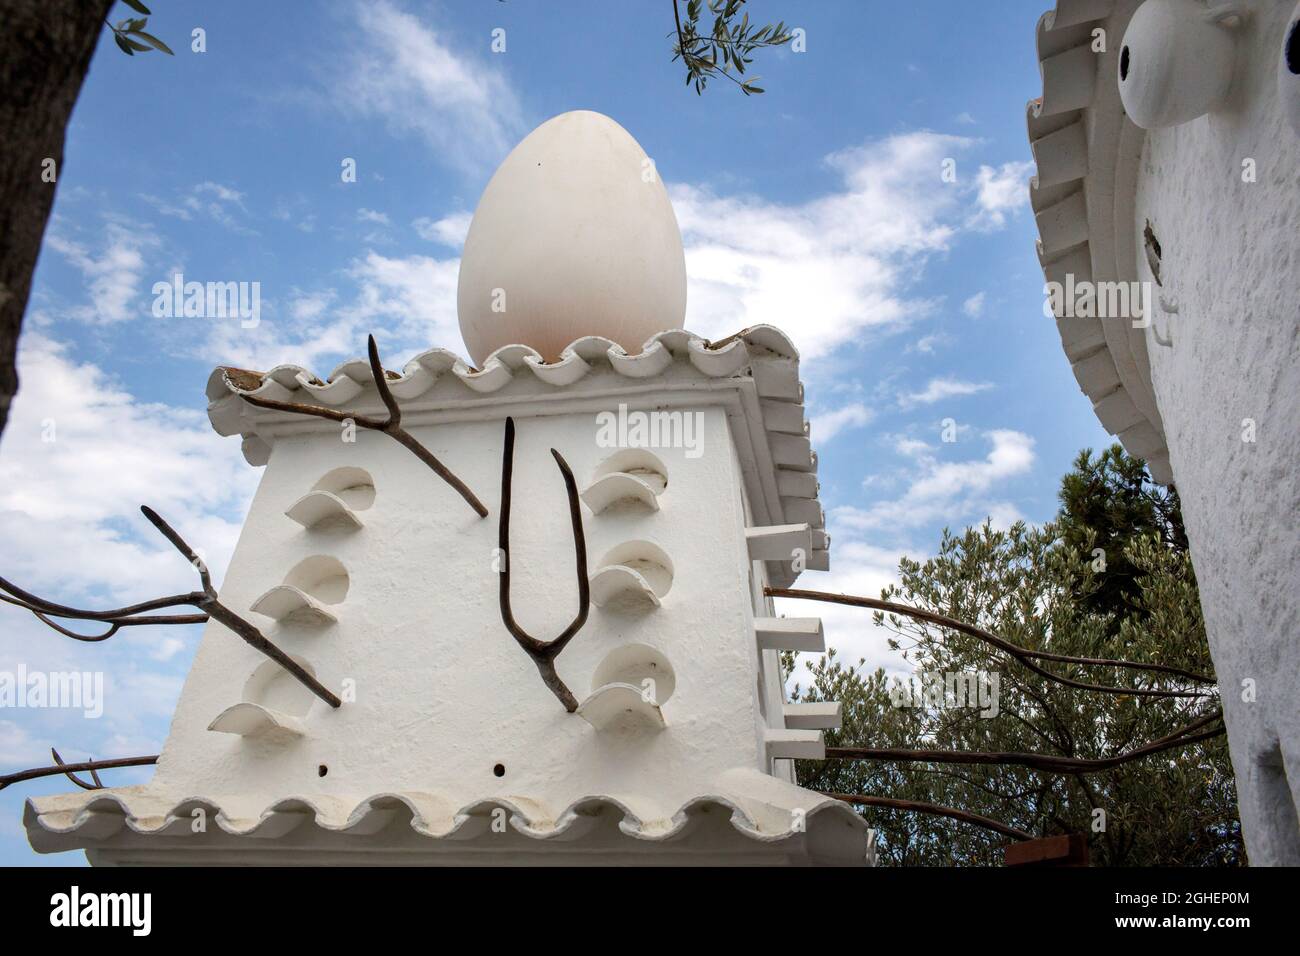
x: 633, y: 576
x: 335, y: 500
x: 274, y: 703
x: 308, y: 592
x: 628, y: 689
x: 633, y: 477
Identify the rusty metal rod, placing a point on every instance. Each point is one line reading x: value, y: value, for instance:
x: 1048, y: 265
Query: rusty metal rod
x: 219, y: 612
x: 392, y: 426
x: 933, y: 809
x: 1021, y: 654
x: 85, y: 765
x: 1048, y: 763
x: 113, y: 627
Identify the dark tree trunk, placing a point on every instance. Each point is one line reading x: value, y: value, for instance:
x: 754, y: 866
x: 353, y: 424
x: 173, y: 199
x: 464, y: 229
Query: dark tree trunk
x: 45, y: 50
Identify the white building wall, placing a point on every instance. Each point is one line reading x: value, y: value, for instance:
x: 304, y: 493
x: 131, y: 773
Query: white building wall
x: 443, y: 693
x: 1230, y: 267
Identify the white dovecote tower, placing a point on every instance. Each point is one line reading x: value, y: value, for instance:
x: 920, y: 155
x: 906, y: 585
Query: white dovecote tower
x: 660, y: 732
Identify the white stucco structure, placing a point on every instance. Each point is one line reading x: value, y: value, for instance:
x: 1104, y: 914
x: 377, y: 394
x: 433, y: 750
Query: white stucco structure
x: 1206, y: 384
x: 378, y: 579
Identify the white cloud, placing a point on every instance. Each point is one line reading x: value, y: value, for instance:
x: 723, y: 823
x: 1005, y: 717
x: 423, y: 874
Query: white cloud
x: 307, y: 308
x: 1002, y: 191
x: 370, y: 215
x: 940, y: 388
x: 449, y: 230
x: 218, y: 202
x: 19, y: 749
x: 408, y: 302
x: 80, y: 455
x: 926, y: 344
x: 974, y: 306
x: 829, y: 424
x: 840, y: 265
x: 415, y: 294
x: 948, y: 491
x: 415, y: 77
x: 856, y: 568
x: 112, y: 274
x: 912, y: 447
x: 223, y: 193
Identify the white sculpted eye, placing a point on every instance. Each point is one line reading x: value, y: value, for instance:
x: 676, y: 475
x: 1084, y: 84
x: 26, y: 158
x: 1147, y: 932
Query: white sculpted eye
x: 1176, y: 61
x: 1288, y: 71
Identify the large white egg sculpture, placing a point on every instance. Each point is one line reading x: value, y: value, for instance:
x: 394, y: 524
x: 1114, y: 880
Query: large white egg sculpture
x: 574, y: 235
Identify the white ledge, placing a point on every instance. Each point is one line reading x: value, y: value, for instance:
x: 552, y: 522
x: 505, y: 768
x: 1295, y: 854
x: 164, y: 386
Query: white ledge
x: 778, y: 542
x: 822, y: 715
x: 790, y: 634
x: 617, y: 703
x: 794, y: 744
x: 253, y: 720
x: 318, y: 506
x: 619, y: 486
x: 285, y: 602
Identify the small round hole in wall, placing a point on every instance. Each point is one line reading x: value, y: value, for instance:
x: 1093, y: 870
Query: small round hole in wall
x: 1293, y: 49
x: 322, y: 770
x: 499, y: 770
x: 1123, y: 64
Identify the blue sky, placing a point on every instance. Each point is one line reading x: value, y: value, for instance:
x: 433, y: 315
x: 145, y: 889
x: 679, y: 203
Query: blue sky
x: 818, y: 207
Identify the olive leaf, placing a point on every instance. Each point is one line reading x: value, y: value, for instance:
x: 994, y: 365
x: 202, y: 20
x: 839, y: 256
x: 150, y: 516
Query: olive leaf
x: 126, y: 30
x: 153, y: 41
x: 730, y: 43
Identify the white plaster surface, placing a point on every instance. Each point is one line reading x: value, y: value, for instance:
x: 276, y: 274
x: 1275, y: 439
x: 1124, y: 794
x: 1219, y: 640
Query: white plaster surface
x: 1231, y: 261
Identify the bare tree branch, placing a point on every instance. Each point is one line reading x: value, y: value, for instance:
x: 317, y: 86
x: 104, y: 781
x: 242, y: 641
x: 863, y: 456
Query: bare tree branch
x: 934, y: 809
x: 71, y: 768
x: 205, y: 600
x: 251, y: 635
x: 392, y: 425
x: 543, y: 653
x: 113, y: 627
x: 1023, y: 655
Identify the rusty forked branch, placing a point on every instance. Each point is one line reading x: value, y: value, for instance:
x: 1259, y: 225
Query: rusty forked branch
x: 392, y: 425
x: 1023, y: 655
x: 205, y: 600
x: 71, y: 768
x: 543, y: 653
x: 96, y: 785
x: 251, y: 635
